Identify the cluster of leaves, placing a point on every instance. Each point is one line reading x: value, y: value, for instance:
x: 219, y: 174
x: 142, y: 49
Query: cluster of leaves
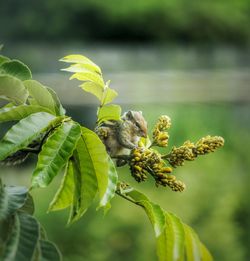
x: 85, y: 70
x: 22, y: 237
x: 64, y: 145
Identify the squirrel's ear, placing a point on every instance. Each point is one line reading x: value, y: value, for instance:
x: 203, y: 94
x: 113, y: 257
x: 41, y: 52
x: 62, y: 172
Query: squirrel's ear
x: 130, y: 114
x: 127, y: 115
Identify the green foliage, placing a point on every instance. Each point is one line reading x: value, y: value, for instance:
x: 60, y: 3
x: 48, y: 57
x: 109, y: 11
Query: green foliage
x: 64, y: 195
x: 109, y: 112
x: 3, y: 59
x: 12, y: 198
x: 80, y: 64
x: 94, y: 155
x: 88, y: 72
x: 21, y: 235
x: 175, y: 240
x: 89, y: 172
x: 111, y: 188
x: 92, y: 173
x: 24, y: 132
x: 14, y: 113
x: 16, y: 69
x: 12, y: 89
x: 55, y: 152
x: 40, y: 95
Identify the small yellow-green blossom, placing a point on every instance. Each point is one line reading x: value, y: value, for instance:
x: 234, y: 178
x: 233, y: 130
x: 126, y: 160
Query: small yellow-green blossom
x: 160, y: 134
x: 163, y: 123
x: 142, y: 160
x: 147, y: 161
x: 172, y: 182
x: 189, y: 151
x: 208, y: 144
x: 178, y: 155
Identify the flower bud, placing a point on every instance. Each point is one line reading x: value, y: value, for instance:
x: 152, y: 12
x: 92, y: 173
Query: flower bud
x: 163, y: 123
x: 208, y: 144
x: 160, y: 136
x: 178, y: 156
x: 178, y: 185
x: 166, y: 170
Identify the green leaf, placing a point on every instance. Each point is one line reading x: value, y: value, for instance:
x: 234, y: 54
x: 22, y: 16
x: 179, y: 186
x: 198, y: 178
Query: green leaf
x: 55, y: 153
x: 3, y: 59
x: 8, y: 105
x: 14, y: 113
x: 206, y: 256
x: 88, y: 77
x: 28, y: 206
x: 76, y: 58
x: 17, y: 69
x: 88, y: 181
x: 65, y: 193
x: 48, y: 251
x: 109, y: 112
x: 154, y: 212
x: 109, y: 96
x: 112, y: 183
x: 58, y: 106
x: 84, y: 67
x: 41, y: 95
x: 75, y: 210
x: 175, y: 240
x: 169, y: 247
x: 93, y: 88
x: 24, y: 132
x: 13, y: 89
x: 11, y: 199
x: 23, y: 239
x: 80, y: 61
x: 192, y: 245
x: 98, y: 158
x: 170, y: 244
x: 91, y: 172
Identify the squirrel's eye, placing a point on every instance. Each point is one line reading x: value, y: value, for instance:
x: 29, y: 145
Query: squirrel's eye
x: 137, y: 125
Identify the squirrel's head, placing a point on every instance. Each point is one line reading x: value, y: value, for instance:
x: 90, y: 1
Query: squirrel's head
x: 138, y: 121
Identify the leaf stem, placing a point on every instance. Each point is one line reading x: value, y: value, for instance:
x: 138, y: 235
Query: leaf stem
x: 152, y: 145
x: 125, y: 197
x: 166, y: 156
x: 118, y: 192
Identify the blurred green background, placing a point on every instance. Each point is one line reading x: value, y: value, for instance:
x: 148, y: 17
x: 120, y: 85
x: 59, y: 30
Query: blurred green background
x: 127, y: 20
x: 187, y: 59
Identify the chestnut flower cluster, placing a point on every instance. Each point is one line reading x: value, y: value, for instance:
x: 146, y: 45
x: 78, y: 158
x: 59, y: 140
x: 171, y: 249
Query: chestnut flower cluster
x: 145, y: 160
x: 189, y: 151
x: 160, y: 134
x: 148, y: 161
